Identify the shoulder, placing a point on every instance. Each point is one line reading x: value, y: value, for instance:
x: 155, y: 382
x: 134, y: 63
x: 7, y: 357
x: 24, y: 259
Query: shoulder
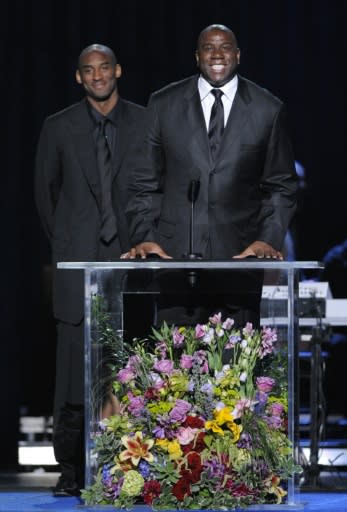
x: 176, y: 89
x: 67, y: 113
x: 251, y: 91
x: 133, y: 110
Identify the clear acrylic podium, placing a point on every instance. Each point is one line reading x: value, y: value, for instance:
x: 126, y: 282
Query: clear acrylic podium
x: 106, y: 284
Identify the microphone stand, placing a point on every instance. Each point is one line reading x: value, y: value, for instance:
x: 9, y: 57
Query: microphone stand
x: 193, y: 193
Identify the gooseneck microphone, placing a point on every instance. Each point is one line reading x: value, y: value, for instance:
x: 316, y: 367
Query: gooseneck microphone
x: 193, y: 193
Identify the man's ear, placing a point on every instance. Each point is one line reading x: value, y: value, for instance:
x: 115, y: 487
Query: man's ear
x: 78, y: 77
x: 118, y: 71
x: 197, y: 58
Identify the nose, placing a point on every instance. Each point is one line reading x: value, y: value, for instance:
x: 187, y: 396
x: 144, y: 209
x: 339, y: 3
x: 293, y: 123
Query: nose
x: 96, y: 74
x: 217, y: 53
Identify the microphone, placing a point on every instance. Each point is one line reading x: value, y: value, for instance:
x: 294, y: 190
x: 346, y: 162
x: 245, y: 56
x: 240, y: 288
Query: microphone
x: 193, y: 193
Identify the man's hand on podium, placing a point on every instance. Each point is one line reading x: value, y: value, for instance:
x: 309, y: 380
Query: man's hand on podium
x: 259, y: 249
x: 146, y: 250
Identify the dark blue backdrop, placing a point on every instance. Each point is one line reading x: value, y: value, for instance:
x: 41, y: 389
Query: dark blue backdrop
x: 295, y: 48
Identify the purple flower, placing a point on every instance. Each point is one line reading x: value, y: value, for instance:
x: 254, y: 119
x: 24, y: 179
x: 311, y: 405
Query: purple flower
x: 178, y: 338
x: 274, y: 422
x: 233, y: 339
x: 165, y: 366
x: 268, y: 338
x: 179, y: 412
x: 248, y: 329
x: 161, y: 349
x: 265, y: 384
x: 186, y: 361
x: 207, y: 388
x: 209, y: 335
x: 136, y: 405
x: 125, y: 375
x: 199, y: 357
x: 228, y: 323
x: 199, y: 331
x: 216, y: 319
x: 144, y: 469
x: 277, y: 409
x: 245, y: 441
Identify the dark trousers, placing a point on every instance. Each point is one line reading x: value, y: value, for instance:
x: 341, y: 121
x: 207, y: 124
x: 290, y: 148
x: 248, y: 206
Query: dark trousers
x: 68, y: 414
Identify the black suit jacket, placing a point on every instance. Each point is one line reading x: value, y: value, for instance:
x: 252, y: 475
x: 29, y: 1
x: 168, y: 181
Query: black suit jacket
x: 248, y: 194
x: 68, y: 193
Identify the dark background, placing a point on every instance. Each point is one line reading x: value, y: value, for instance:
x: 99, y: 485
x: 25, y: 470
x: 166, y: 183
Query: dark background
x: 295, y: 48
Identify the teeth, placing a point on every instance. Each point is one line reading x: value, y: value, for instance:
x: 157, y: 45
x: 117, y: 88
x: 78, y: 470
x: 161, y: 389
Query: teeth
x: 217, y: 67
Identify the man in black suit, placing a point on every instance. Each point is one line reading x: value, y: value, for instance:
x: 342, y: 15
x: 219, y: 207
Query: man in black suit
x: 231, y: 136
x: 82, y: 211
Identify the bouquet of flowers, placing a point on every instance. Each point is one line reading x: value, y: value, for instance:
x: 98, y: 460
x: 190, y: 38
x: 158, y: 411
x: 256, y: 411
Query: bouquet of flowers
x: 202, y: 422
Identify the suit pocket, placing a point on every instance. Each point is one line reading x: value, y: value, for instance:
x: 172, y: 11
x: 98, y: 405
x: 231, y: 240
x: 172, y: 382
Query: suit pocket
x: 166, y: 229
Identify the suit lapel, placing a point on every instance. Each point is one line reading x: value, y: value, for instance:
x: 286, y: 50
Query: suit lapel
x: 124, y: 128
x: 238, y: 117
x: 196, y: 121
x: 85, y: 148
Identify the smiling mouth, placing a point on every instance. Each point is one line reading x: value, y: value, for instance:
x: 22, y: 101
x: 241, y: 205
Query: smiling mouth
x: 218, y: 67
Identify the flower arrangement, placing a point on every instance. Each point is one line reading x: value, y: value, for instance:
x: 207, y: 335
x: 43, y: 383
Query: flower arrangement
x: 202, y: 422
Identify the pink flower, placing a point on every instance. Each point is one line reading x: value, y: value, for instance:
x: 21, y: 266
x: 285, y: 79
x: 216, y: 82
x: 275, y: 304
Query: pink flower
x: 216, y: 319
x: 164, y: 366
x: 125, y: 375
x: 185, y: 435
x: 277, y: 409
x: 199, y: 331
x: 228, y: 323
x: 268, y: 338
x: 186, y: 361
x: 242, y: 405
x: 178, y: 338
x: 265, y: 384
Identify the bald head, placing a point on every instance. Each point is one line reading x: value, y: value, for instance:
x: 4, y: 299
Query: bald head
x: 222, y: 28
x: 217, y: 55
x: 97, y: 48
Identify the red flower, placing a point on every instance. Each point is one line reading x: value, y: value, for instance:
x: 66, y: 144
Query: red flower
x: 194, y: 461
x: 181, y: 489
x: 197, y: 445
x: 193, y: 472
x: 151, y: 393
x: 194, y: 422
x: 151, y: 490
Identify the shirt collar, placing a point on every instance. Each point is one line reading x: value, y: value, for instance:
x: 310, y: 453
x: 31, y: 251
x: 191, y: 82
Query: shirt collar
x: 111, y: 116
x: 229, y: 89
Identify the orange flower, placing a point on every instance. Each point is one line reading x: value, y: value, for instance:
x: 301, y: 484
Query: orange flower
x: 137, y: 448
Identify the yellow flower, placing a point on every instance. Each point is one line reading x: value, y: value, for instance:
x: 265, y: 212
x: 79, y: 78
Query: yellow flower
x: 213, y: 425
x: 223, y: 415
x: 236, y: 429
x: 163, y: 443
x: 136, y: 449
x: 272, y: 485
x: 174, y: 450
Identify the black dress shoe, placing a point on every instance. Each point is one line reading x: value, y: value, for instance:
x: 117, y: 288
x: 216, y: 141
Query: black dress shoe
x: 66, y: 488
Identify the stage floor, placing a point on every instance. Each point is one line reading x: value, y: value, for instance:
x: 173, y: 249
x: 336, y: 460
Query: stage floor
x: 31, y: 492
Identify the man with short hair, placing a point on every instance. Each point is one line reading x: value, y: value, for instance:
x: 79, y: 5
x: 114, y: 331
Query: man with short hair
x: 82, y: 169
x: 230, y: 135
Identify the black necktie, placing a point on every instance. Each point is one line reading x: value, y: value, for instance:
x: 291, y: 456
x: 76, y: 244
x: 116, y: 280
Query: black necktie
x: 103, y: 153
x: 216, y: 126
